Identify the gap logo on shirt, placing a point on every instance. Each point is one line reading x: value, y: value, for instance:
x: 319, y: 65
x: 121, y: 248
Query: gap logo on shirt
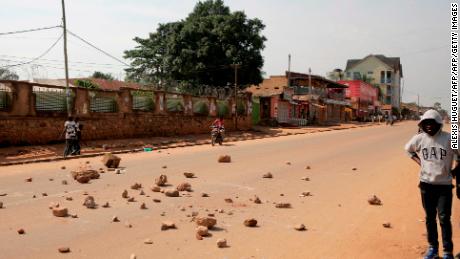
x: 434, y: 153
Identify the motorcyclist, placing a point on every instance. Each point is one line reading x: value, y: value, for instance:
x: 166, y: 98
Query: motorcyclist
x: 218, y: 123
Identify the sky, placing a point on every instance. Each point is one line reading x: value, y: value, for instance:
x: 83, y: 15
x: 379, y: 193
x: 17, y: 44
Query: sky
x: 319, y: 34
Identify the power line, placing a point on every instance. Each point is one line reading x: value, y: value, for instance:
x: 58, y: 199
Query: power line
x: 43, y: 54
x: 30, y: 30
x: 107, y: 54
x: 61, y: 61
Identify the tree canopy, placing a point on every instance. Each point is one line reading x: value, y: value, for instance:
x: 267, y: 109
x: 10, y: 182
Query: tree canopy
x: 6, y: 74
x: 200, y: 49
x: 102, y: 75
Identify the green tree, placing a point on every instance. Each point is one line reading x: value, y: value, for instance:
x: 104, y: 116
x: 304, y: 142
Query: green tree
x: 201, y: 48
x: 6, y: 74
x: 101, y: 75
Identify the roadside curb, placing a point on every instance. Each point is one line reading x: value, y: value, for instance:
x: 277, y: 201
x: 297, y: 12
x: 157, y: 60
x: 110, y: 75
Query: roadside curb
x: 174, y: 144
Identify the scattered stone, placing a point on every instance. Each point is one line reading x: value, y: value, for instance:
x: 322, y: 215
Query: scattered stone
x: 124, y: 194
x: 374, y: 200
x: 84, y: 174
x: 128, y: 225
x: 184, y: 187
x: 194, y: 213
x: 189, y: 175
x: 85, y: 193
x: 156, y: 189
x: 28, y: 179
x: 229, y: 213
x: 164, y: 167
x: 64, y: 182
x: 281, y: 194
x: 288, y: 163
x: 250, y: 222
x: 1, y: 205
x: 182, y: 209
x: 143, y: 206
x: 115, y: 219
x: 51, y: 179
x: 63, y: 167
x: 206, y: 222
x: 44, y: 194
x: 300, y: 227
x: 131, y: 199
x: 136, y: 186
x: 202, y: 231
x: 53, y: 205
x: 60, y: 212
x: 257, y: 200
x: 69, y: 198
x: 21, y: 231
x: 267, y: 175
x: 165, y: 225
x: 162, y: 214
x: 142, y: 192
x: 34, y: 196
x: 118, y: 171
x: 224, y: 159
x: 211, y: 215
x: 354, y: 169
x: 172, y: 193
x: 307, y: 167
x: 157, y: 200
x: 89, y: 202
x: 387, y: 225
x: 221, y: 243
x: 228, y: 200
x: 283, y: 205
x: 74, y: 215
x: 64, y: 250
x: 3, y: 194
x: 111, y: 161
x: 106, y: 205
x: 305, y: 179
x: 204, y: 195
x: 305, y: 194
x: 221, y: 211
x: 162, y: 180
x: 148, y: 241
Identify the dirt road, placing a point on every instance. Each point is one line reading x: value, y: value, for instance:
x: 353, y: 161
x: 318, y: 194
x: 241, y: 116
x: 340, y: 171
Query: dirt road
x: 340, y: 223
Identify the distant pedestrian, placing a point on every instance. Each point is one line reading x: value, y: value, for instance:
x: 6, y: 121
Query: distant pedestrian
x: 70, y: 136
x: 77, y: 143
x: 432, y: 151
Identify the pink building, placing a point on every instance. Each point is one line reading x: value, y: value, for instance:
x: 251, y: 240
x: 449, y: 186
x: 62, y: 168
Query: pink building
x: 363, y: 97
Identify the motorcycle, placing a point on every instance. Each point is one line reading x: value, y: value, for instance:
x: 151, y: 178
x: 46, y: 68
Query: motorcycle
x: 217, y: 135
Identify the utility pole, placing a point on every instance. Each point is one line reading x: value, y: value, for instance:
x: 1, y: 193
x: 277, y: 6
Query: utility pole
x: 67, y: 94
x: 309, y: 77
x: 236, y: 66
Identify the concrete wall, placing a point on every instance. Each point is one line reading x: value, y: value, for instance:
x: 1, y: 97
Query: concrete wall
x: 22, y: 124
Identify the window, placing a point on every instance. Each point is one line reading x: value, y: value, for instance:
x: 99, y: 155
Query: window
x: 388, y: 77
x: 356, y: 76
x: 348, y: 74
x: 388, y: 100
x: 382, y: 77
x: 370, y: 72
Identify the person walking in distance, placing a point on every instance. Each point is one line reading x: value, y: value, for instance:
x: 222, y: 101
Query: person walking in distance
x: 431, y: 149
x: 70, y: 132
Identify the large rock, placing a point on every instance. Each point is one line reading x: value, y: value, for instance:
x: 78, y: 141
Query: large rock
x: 84, y: 174
x: 267, y: 175
x: 250, y: 222
x: 124, y: 194
x: 111, y: 161
x: 189, y: 175
x: 206, y: 222
x: 224, y: 159
x: 60, y: 212
x: 162, y: 180
x: 221, y: 243
x: 172, y: 193
x: 167, y: 225
x: 202, y: 231
x: 89, y: 202
x: 184, y: 187
x: 283, y: 205
x: 136, y: 186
